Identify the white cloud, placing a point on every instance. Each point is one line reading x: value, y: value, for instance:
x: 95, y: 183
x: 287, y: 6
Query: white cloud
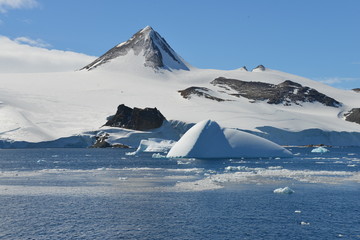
x: 336, y: 80
x: 23, y: 58
x: 36, y: 43
x: 17, y: 4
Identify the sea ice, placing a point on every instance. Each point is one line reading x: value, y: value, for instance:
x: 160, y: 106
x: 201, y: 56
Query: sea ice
x: 285, y: 190
x: 238, y: 168
x: 319, y: 150
x: 158, y: 155
x: 207, y: 139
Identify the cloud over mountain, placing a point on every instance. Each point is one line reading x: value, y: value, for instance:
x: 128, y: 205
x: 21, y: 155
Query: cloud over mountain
x: 16, y: 4
x: 27, y: 56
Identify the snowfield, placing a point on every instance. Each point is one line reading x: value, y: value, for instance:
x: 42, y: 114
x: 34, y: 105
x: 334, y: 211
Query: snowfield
x: 38, y: 107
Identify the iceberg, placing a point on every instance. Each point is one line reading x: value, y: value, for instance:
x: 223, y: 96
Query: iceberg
x: 207, y: 139
x: 285, y: 190
x: 320, y: 150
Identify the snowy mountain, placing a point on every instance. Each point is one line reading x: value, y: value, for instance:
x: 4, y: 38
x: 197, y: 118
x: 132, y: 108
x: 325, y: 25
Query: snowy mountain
x: 150, y: 46
x: 70, y: 108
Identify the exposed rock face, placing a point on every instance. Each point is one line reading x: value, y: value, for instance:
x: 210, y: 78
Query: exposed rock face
x: 136, y: 119
x: 259, y: 68
x: 101, y: 141
x: 244, y: 68
x: 353, y: 115
x: 199, y: 91
x: 356, y: 90
x: 287, y: 92
x: 148, y: 43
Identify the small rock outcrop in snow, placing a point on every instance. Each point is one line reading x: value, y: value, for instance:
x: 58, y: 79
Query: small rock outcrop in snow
x: 200, y: 92
x: 259, y: 68
x: 136, y: 119
x: 148, y: 44
x: 101, y: 142
x: 353, y: 115
x: 207, y: 139
x: 286, y: 93
x: 244, y: 68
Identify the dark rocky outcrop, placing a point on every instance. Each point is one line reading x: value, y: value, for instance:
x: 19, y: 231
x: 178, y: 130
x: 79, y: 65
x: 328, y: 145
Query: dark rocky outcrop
x: 136, y: 119
x: 101, y: 142
x: 353, y: 115
x: 356, y: 90
x: 198, y: 91
x: 286, y: 93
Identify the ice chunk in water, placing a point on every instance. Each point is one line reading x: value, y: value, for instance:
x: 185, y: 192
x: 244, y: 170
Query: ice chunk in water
x: 319, y: 150
x: 285, y: 190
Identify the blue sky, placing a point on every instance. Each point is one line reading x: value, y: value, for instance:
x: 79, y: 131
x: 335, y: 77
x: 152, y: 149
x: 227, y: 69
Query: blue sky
x: 318, y: 39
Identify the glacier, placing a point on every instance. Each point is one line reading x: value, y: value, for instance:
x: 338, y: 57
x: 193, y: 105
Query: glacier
x: 68, y: 108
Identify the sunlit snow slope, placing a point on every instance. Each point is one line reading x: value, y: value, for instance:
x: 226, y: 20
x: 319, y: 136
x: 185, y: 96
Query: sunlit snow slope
x: 39, y: 107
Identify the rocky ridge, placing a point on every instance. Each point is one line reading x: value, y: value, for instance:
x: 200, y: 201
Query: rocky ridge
x: 286, y: 93
x: 200, y: 92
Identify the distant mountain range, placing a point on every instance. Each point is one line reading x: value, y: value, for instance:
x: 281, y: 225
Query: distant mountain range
x: 69, y: 109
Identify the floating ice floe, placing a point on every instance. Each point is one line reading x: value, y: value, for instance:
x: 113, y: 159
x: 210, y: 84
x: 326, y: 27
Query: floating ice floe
x: 285, y: 190
x: 154, y: 145
x: 320, y: 150
x: 158, y: 155
x: 207, y: 139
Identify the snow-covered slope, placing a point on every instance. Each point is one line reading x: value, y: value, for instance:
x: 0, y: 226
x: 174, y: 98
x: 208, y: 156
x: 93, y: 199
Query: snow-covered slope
x: 39, y: 107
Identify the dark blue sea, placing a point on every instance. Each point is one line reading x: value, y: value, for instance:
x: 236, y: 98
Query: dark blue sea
x: 111, y: 194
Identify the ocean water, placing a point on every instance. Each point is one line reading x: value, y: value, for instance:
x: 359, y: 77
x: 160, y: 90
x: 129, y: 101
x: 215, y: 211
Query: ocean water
x: 109, y: 194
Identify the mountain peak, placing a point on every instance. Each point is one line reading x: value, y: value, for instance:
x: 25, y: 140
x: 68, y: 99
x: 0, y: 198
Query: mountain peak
x: 149, y: 47
x: 259, y: 68
x: 147, y: 29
